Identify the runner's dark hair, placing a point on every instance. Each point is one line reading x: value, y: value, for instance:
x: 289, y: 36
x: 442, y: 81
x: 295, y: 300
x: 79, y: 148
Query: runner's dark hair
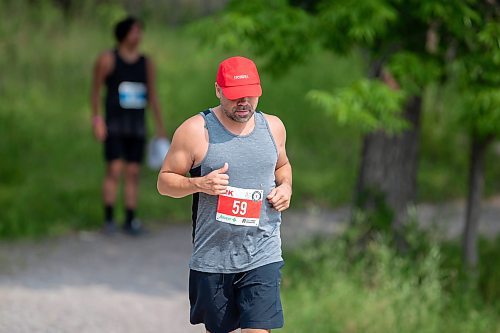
x: 123, y: 27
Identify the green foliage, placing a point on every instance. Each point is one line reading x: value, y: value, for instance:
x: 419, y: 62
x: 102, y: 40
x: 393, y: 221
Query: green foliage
x: 389, y: 33
x: 108, y: 13
x: 427, y: 45
x: 51, y: 180
x: 486, y: 287
x: 281, y: 35
x: 380, y: 290
x: 476, y: 68
x: 50, y: 176
x: 481, y: 112
x: 489, y: 272
x: 378, y: 217
x: 489, y: 38
x: 368, y: 104
x: 413, y: 72
x: 344, y: 24
x: 455, y: 17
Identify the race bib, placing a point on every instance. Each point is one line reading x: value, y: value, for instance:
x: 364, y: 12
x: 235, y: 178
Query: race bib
x: 240, y: 206
x: 132, y: 95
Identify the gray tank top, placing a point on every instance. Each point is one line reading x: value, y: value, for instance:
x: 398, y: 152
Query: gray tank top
x: 220, y: 247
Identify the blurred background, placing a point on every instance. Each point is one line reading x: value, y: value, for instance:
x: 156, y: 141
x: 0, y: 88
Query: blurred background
x: 392, y: 112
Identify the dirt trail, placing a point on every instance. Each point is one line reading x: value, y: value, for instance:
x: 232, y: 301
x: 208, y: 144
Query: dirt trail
x: 91, y: 283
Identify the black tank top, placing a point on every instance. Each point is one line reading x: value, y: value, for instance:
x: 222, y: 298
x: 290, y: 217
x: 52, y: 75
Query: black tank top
x: 126, y: 97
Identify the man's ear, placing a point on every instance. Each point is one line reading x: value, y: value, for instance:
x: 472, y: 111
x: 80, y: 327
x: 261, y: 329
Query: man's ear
x: 217, y: 90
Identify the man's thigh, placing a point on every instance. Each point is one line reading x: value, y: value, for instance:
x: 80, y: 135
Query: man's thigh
x: 212, y: 301
x: 250, y: 300
x: 258, y: 299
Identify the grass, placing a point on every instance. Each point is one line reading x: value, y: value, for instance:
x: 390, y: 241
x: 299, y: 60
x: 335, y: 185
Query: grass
x: 51, y: 180
x: 51, y: 167
x: 326, y: 290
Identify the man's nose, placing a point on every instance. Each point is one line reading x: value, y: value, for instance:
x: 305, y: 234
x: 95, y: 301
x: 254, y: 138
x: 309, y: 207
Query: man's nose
x: 243, y: 100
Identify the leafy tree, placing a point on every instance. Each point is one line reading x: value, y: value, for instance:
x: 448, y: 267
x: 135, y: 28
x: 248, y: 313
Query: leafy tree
x: 477, y: 48
x: 406, y: 45
x: 285, y: 34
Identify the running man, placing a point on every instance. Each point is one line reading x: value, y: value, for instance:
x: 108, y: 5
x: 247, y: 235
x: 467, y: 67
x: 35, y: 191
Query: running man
x: 241, y: 181
x: 129, y: 78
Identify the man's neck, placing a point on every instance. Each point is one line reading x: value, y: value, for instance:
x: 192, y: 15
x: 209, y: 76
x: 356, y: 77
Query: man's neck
x: 128, y: 53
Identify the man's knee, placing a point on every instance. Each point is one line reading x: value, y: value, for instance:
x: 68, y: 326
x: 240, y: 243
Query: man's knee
x: 114, y: 170
x: 132, y: 171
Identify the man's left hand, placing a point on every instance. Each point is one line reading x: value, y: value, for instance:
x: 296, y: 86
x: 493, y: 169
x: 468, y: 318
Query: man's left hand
x: 280, y: 197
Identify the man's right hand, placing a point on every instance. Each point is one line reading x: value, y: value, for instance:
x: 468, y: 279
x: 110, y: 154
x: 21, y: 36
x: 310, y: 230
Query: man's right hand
x: 214, y: 183
x: 100, y: 130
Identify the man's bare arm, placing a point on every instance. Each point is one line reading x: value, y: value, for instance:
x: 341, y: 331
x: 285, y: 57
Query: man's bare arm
x: 185, y: 148
x: 153, y: 98
x: 102, y: 68
x: 281, y: 195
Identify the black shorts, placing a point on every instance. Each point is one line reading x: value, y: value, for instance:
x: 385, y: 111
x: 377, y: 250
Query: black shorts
x: 225, y: 302
x: 128, y: 148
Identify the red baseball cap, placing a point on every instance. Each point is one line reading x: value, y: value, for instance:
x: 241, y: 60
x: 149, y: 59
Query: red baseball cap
x: 238, y: 78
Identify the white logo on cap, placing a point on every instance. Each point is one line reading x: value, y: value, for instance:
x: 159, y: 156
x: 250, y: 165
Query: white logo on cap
x: 239, y: 77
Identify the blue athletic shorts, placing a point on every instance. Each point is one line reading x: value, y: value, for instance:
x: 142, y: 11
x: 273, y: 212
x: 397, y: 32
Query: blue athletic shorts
x: 225, y: 302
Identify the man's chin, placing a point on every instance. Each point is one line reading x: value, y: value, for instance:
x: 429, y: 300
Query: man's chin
x: 240, y: 116
x: 243, y: 114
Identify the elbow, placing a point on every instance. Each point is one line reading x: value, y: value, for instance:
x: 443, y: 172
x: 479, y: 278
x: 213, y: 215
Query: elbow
x: 165, y: 190
x: 160, y: 186
x: 162, y: 189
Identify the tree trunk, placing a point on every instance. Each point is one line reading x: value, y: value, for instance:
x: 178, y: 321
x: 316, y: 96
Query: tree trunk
x: 474, y: 195
x: 388, y: 173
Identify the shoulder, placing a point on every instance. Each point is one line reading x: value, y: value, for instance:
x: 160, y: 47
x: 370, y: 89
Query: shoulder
x: 107, y: 56
x: 193, y: 124
x: 105, y: 60
x: 191, y: 130
x: 275, y: 125
x: 273, y: 120
x: 191, y: 138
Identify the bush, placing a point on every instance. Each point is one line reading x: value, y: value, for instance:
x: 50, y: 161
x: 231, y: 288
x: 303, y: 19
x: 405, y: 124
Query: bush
x: 326, y: 289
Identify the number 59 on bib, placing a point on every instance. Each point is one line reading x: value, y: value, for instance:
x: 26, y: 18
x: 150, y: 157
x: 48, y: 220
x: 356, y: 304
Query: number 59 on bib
x: 240, y: 206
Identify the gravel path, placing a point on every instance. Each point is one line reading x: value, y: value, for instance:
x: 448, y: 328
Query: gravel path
x: 91, y: 283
